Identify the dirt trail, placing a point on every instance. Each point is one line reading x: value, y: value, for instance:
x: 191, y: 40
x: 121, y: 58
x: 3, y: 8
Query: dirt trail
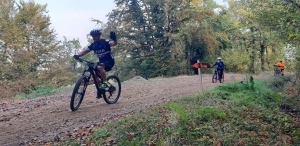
x: 50, y: 117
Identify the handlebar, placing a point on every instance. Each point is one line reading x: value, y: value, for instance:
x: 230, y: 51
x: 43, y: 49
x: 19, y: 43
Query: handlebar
x: 89, y: 63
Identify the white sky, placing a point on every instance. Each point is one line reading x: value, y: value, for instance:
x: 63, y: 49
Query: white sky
x: 72, y: 18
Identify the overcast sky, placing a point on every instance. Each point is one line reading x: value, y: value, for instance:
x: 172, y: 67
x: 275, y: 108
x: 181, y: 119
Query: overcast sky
x: 72, y: 18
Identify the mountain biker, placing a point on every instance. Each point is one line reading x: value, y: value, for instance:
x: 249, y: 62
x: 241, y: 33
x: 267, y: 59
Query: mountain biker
x: 220, y: 67
x: 281, y: 65
x: 102, y: 49
x: 193, y: 61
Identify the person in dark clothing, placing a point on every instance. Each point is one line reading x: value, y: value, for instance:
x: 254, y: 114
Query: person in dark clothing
x: 220, y: 68
x: 193, y: 61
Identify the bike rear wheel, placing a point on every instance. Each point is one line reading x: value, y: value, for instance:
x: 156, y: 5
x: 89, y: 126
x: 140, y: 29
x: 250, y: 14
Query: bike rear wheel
x: 78, y: 93
x: 276, y: 72
x: 214, y: 78
x: 114, y: 91
x: 222, y: 79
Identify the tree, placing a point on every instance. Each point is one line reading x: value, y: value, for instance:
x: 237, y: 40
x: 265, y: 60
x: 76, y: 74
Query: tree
x: 28, y: 45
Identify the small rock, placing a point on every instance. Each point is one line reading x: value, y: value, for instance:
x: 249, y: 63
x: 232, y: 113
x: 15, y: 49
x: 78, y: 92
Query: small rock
x: 97, y: 124
x: 56, y: 138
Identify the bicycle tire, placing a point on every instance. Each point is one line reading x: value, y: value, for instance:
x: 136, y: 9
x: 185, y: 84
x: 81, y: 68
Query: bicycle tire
x: 276, y: 72
x: 222, y: 79
x: 214, y: 78
x: 118, y: 93
x: 82, y: 81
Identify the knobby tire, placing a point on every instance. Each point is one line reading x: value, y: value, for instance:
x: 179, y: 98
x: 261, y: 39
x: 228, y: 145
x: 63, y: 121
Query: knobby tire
x: 82, y: 81
x: 107, y: 94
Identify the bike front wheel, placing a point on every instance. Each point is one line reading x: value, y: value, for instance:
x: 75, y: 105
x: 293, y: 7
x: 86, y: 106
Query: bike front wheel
x: 78, y: 93
x: 113, y: 93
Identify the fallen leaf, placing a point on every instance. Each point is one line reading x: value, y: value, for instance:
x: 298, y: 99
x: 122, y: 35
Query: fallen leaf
x: 130, y: 135
x: 265, y: 134
x: 131, y: 124
x: 151, y: 143
x: 252, y: 134
x: 242, y: 142
x: 4, y: 102
x: 111, y: 139
x: 163, y: 121
x: 76, y: 129
x: 82, y: 133
x: 217, y: 143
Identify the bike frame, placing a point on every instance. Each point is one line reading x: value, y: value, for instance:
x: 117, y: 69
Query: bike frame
x: 216, y: 72
x: 92, y: 72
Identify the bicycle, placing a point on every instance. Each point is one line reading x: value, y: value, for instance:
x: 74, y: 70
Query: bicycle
x: 216, y: 76
x: 85, y: 80
x: 277, y: 71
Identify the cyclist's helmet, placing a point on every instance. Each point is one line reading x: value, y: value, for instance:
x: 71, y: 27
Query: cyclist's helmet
x: 219, y: 58
x: 280, y: 60
x: 95, y: 32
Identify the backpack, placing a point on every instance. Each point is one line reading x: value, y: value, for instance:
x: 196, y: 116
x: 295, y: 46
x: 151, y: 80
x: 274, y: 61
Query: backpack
x: 221, y: 65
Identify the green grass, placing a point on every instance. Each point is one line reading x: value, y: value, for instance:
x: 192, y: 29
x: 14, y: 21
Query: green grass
x: 44, y: 92
x: 238, y: 113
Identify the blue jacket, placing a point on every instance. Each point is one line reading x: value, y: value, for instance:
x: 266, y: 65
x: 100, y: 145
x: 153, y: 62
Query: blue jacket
x: 220, y: 65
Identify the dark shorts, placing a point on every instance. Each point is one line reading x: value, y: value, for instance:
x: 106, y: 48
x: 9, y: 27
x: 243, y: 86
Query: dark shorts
x: 108, y: 65
x: 282, y: 69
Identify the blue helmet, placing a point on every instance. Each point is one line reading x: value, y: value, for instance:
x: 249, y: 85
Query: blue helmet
x: 95, y: 32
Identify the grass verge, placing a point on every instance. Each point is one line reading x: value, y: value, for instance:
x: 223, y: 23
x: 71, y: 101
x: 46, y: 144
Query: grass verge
x: 233, y: 114
x: 43, y: 92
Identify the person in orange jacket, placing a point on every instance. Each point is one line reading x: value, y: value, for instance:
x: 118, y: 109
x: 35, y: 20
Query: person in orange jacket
x: 281, y: 66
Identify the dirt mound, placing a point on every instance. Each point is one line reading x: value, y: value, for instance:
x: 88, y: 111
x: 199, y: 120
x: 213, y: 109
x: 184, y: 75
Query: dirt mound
x: 136, y: 79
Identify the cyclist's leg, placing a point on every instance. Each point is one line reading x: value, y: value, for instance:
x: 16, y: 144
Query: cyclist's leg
x: 195, y: 71
x: 104, y: 67
x: 218, y: 74
x: 221, y: 73
x: 101, y: 70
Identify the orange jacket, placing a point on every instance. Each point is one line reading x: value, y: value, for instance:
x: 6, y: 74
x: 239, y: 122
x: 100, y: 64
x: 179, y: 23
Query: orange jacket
x: 202, y: 65
x: 281, y: 65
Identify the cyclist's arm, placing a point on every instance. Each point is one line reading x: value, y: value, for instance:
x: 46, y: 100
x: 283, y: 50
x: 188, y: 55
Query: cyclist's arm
x: 82, y: 53
x: 214, y: 65
x: 113, y: 43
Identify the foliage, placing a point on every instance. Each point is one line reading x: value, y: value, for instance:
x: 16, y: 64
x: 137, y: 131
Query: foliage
x: 232, y: 114
x: 27, y: 46
x: 154, y: 35
x: 43, y: 92
x: 283, y: 16
x: 30, y: 56
x: 155, y: 38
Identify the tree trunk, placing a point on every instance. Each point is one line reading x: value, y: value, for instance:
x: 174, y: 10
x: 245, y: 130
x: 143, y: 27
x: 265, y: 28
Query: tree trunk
x: 262, y: 56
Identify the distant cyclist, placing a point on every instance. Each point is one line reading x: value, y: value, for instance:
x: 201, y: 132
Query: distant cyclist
x: 102, y: 49
x: 281, y: 65
x: 220, y: 68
